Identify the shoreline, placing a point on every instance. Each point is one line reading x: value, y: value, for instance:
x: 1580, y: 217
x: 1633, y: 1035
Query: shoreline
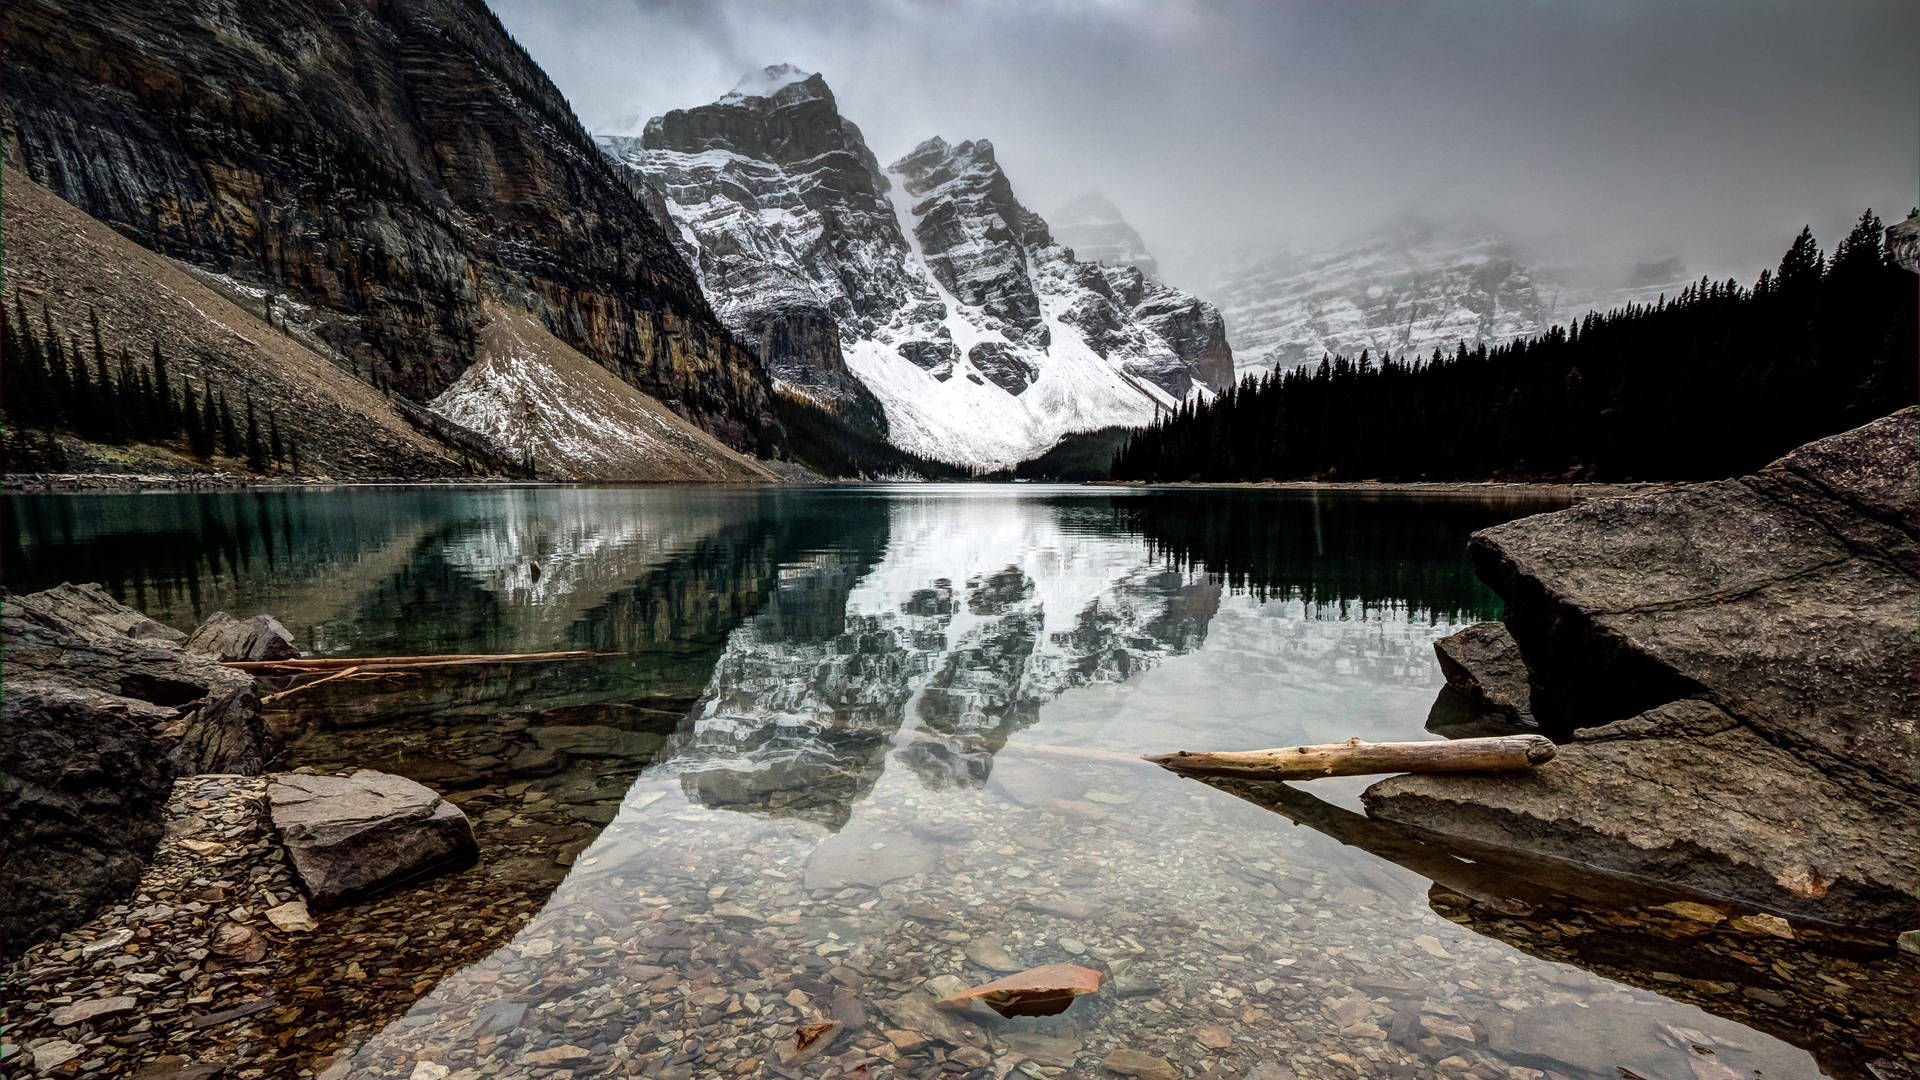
x: 1573, y: 492
x: 124, y: 483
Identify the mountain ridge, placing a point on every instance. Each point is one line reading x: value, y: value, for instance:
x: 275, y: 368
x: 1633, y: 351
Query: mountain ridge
x: 394, y: 166
x: 925, y: 286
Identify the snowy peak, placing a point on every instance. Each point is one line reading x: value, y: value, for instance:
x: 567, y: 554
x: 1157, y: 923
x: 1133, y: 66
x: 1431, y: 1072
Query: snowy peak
x: 1093, y: 227
x: 775, y: 83
x: 924, y: 301
x: 1408, y: 290
x: 975, y: 236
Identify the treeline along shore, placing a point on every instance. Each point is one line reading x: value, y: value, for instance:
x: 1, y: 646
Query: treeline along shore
x: 1715, y: 381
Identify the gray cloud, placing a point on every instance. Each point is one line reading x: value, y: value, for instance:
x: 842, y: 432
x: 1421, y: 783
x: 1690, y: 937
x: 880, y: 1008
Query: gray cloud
x: 1710, y: 129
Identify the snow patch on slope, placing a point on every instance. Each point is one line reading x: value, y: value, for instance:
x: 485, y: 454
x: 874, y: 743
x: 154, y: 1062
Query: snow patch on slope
x: 536, y: 395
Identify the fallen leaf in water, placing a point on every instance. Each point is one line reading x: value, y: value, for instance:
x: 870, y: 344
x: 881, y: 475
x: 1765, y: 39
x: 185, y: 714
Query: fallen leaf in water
x: 1041, y: 991
x: 806, y: 1041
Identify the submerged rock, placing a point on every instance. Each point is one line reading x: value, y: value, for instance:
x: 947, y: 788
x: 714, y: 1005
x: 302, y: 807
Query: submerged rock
x: 352, y: 836
x: 1737, y: 659
x: 103, y: 710
x: 259, y: 638
x: 1041, y: 991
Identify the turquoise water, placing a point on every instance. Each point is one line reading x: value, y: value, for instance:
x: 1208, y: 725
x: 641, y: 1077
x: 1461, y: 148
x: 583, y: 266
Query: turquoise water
x: 858, y: 743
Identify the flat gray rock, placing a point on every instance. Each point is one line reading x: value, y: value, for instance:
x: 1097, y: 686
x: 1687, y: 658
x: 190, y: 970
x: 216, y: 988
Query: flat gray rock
x: 1686, y: 794
x: 88, y: 610
x: 866, y: 859
x: 355, y: 835
x: 1787, y: 597
x: 1736, y: 663
x: 259, y: 638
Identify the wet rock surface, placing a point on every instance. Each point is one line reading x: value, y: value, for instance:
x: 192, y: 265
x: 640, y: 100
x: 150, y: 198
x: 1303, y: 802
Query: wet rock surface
x: 1483, y: 664
x: 354, y: 835
x: 227, y: 638
x: 1725, y: 639
x: 102, y: 710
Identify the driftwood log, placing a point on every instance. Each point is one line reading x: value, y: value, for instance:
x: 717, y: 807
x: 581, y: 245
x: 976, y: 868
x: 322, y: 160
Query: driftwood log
x: 1504, y: 753
x: 401, y: 663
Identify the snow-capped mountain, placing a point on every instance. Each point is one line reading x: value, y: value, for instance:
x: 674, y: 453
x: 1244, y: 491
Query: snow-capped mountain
x: 923, y: 297
x: 1092, y: 226
x: 1408, y: 291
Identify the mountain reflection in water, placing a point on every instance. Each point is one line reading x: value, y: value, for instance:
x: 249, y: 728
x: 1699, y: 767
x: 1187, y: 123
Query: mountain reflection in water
x: 858, y: 738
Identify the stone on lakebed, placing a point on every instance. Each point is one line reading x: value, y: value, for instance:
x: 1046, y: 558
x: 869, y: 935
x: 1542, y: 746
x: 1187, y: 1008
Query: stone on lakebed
x: 355, y: 835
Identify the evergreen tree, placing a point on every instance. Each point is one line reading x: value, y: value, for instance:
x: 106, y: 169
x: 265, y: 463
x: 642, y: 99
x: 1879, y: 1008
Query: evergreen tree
x: 194, y: 423
x: 274, y: 447
x: 1857, y: 258
x: 256, y: 450
x: 229, y: 431
x: 57, y: 376
x: 1803, y: 263
x: 162, y: 392
x: 209, y: 423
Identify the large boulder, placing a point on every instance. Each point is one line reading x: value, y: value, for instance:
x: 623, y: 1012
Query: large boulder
x: 88, y: 610
x: 259, y: 638
x: 1735, y: 664
x: 355, y: 835
x: 102, y: 710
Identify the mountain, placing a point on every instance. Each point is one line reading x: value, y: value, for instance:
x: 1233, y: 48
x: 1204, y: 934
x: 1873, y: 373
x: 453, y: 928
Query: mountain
x: 1092, y: 226
x: 1410, y: 289
x: 387, y: 170
x: 77, y: 270
x: 922, y: 298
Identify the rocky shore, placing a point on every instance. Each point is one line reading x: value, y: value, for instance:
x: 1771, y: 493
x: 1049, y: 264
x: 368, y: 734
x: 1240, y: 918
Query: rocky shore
x: 153, y: 865
x: 1470, y: 489
x: 1730, y: 669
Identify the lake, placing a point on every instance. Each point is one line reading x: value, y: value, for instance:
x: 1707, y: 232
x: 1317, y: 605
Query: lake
x: 853, y: 744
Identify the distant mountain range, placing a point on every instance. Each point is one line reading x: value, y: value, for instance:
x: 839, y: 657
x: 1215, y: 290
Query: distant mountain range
x: 1409, y: 290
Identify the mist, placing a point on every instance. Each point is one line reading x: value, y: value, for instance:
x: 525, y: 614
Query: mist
x: 1598, y: 133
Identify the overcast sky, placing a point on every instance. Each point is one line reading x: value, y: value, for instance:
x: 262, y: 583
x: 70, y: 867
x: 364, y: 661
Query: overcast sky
x: 1605, y: 130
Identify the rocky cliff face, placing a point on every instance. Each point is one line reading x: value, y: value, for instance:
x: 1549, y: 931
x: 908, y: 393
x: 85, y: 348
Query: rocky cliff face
x: 1903, y: 241
x: 778, y: 147
x: 390, y: 163
x: 925, y: 292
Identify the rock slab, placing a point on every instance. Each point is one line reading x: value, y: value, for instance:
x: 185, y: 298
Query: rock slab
x: 227, y: 638
x: 1734, y: 661
x: 352, y: 836
x: 1483, y: 664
